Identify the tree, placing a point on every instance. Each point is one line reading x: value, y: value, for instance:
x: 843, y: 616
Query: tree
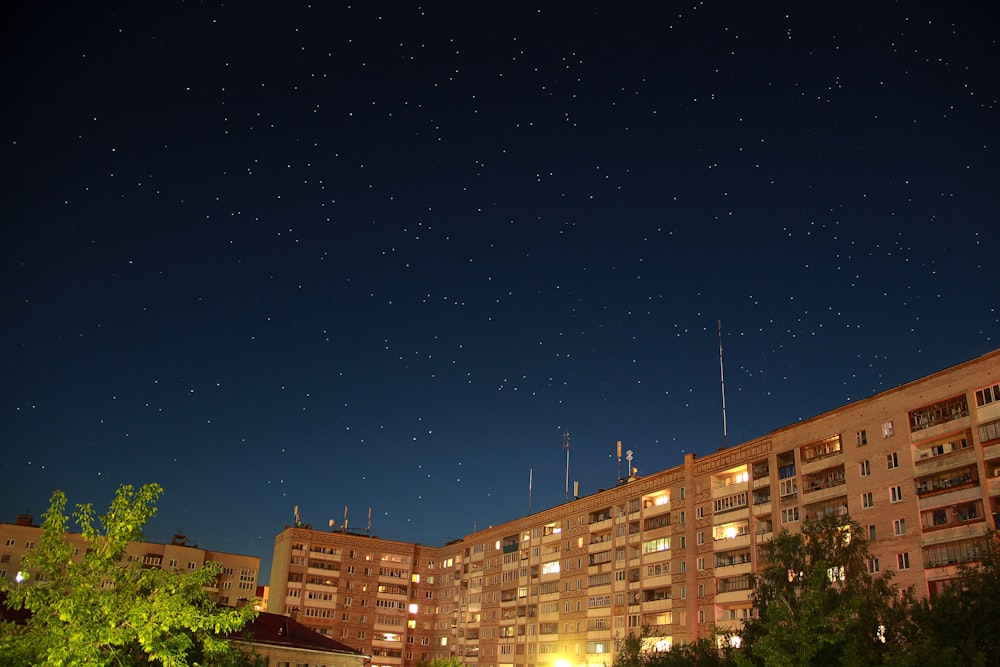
x: 961, y: 625
x: 440, y: 662
x: 817, y: 603
x: 97, y: 609
x: 630, y: 652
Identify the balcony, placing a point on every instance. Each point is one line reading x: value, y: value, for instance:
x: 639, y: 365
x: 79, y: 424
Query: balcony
x: 956, y: 515
x: 761, y: 470
x: 960, y: 479
x: 732, y: 597
x: 657, y: 605
x: 995, y: 486
x: 829, y: 478
x: 720, y: 490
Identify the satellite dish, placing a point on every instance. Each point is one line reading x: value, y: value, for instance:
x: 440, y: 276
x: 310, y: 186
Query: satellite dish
x: 332, y: 523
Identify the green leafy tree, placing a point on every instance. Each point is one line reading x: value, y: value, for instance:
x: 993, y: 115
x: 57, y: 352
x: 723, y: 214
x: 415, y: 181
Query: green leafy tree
x: 440, y: 662
x: 97, y: 609
x: 961, y: 625
x: 816, y: 602
x: 629, y: 652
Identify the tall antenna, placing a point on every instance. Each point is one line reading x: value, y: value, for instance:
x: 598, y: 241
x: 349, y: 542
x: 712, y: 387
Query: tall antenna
x: 619, y: 460
x: 722, y: 378
x: 369, y: 529
x: 566, y: 447
x: 530, y: 474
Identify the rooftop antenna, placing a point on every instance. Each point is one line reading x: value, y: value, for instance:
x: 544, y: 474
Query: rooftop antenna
x: 530, y: 474
x: 722, y: 378
x: 298, y: 517
x: 369, y: 529
x: 619, y: 460
x: 345, y: 519
x: 566, y: 447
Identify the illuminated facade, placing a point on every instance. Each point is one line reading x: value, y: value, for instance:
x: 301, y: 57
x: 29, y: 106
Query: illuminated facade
x: 917, y: 466
x: 237, y: 583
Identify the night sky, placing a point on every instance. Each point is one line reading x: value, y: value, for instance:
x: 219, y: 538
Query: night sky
x: 386, y: 254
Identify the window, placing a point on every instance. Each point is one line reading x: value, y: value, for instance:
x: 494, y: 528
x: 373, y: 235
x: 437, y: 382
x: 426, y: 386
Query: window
x: 862, y: 438
x: 903, y: 561
x: 892, y: 461
x: 899, y: 526
x: 988, y: 395
x: 989, y: 431
x: 700, y: 538
x: 871, y: 532
x: 873, y: 565
x: 680, y: 493
x: 683, y: 517
x: 865, y: 468
x: 790, y: 514
x: 867, y: 500
x: 683, y: 541
x: 897, y: 493
x: 701, y: 566
x: 788, y: 487
x: 701, y: 615
x: 684, y: 566
x: 699, y: 512
x: 10, y: 542
x: 887, y: 430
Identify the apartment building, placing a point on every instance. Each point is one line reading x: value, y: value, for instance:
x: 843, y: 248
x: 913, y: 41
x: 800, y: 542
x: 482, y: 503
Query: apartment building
x: 236, y: 583
x: 917, y: 466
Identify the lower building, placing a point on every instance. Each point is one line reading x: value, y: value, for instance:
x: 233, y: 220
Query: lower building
x: 917, y: 466
x: 284, y: 642
x: 236, y: 585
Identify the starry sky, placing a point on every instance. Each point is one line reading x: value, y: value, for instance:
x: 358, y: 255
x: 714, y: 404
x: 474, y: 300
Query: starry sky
x: 386, y: 254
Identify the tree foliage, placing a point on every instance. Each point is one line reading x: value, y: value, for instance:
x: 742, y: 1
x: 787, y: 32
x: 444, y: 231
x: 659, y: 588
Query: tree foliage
x: 629, y: 652
x: 961, y: 625
x: 440, y: 662
x: 816, y: 602
x: 100, y: 610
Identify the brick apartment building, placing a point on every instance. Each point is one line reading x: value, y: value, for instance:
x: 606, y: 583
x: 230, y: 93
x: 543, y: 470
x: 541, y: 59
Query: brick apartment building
x: 237, y: 583
x: 917, y: 466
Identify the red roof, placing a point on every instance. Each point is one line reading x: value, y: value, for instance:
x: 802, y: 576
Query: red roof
x: 278, y: 630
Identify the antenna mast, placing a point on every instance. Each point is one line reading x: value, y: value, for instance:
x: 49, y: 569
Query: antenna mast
x: 530, y: 474
x: 619, y: 461
x: 566, y: 447
x: 722, y: 378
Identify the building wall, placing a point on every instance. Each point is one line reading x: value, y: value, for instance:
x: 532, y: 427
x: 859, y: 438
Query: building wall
x: 284, y: 656
x: 236, y: 584
x: 917, y: 466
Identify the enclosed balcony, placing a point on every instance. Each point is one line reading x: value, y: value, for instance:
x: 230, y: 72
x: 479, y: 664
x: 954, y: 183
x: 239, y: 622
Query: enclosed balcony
x: 953, y: 515
x: 951, y: 480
